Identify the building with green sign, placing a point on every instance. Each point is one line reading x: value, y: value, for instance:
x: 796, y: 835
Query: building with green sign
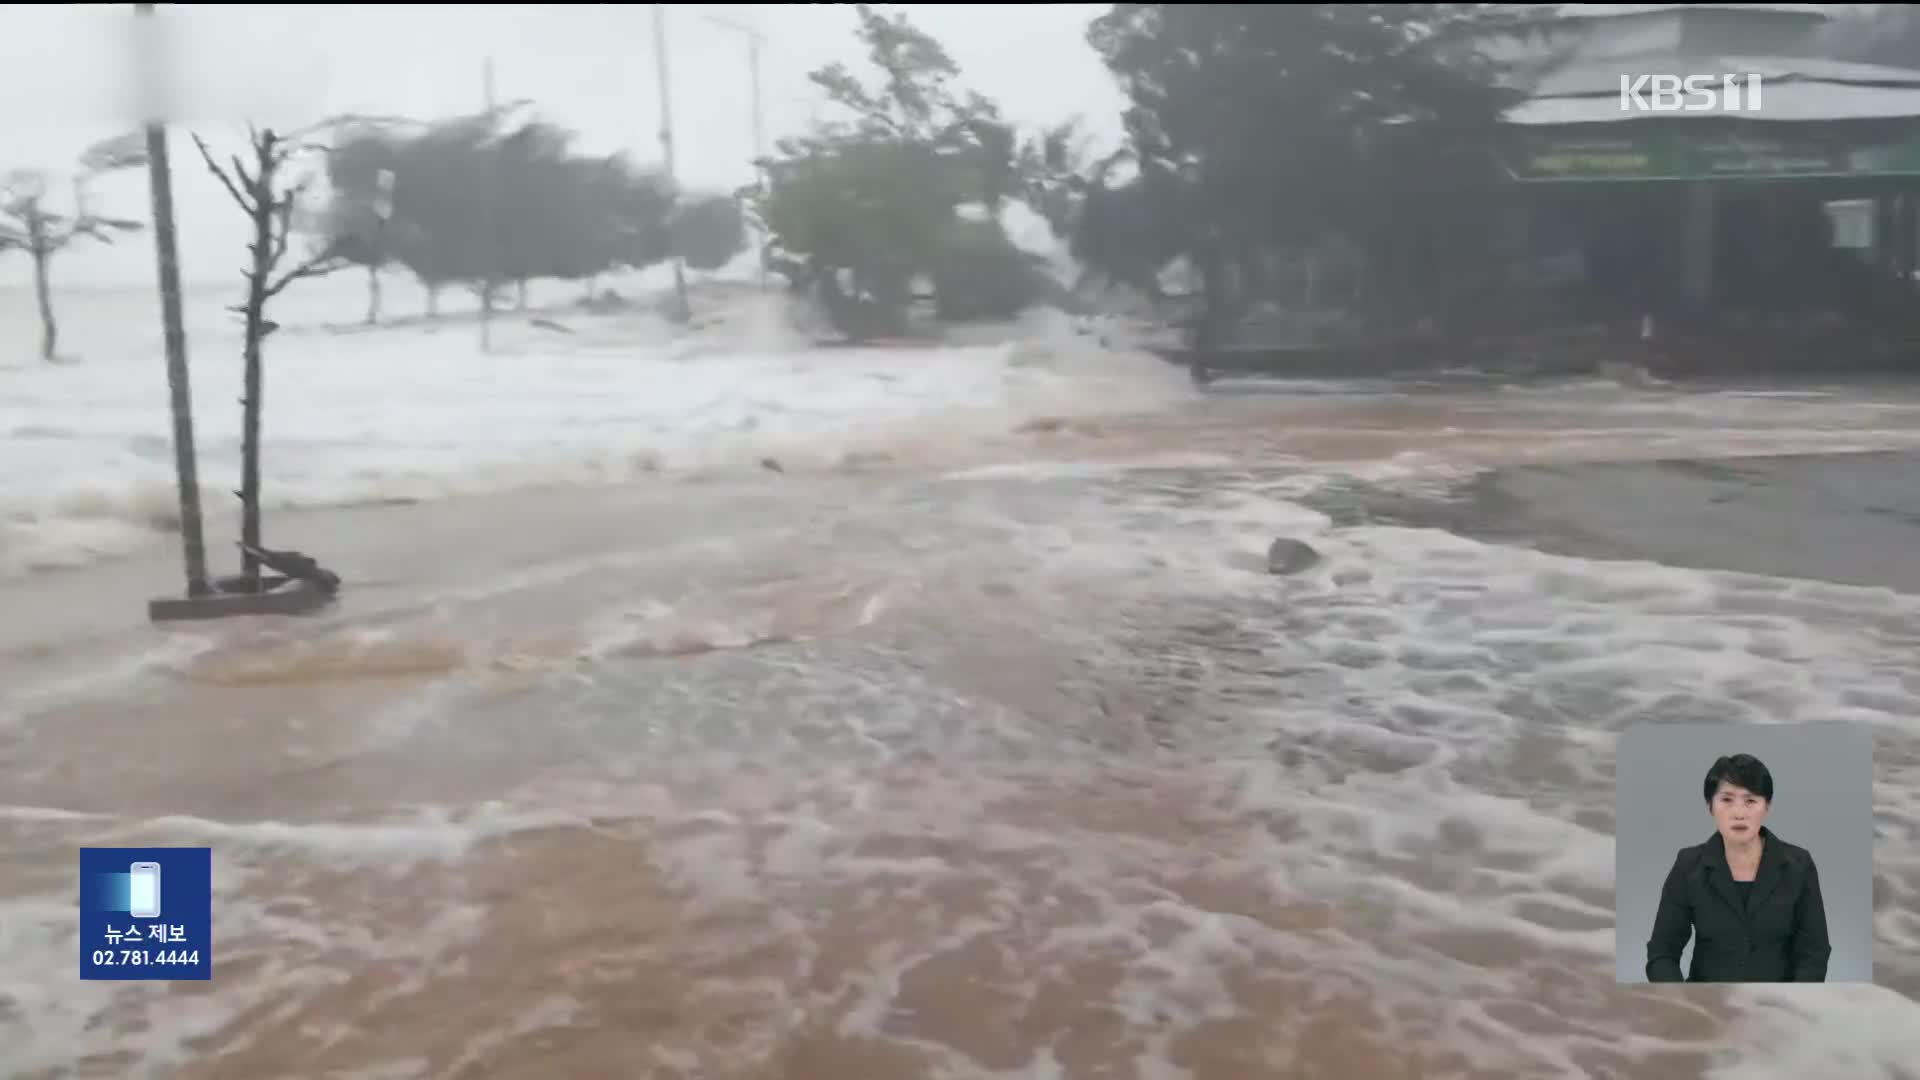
x: 1684, y: 191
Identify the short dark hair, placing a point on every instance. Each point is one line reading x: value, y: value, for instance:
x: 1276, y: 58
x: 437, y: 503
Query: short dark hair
x: 1742, y: 771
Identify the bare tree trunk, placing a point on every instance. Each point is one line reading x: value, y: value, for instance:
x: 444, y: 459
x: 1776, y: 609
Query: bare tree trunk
x: 1211, y: 322
x: 433, y: 300
x: 43, y: 297
x: 682, y: 309
x: 520, y: 299
x: 250, y: 452
x: 255, y: 313
x: 270, y: 212
x: 1213, y: 299
x: 373, y: 295
x: 841, y: 311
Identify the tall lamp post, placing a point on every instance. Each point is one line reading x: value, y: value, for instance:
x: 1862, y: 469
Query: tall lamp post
x: 755, y: 39
x: 682, y: 311
x: 492, y: 222
x: 167, y: 256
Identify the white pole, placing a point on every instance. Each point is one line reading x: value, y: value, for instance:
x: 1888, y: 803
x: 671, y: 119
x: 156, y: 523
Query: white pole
x: 759, y: 144
x: 493, y: 224
x: 682, y: 312
x: 180, y: 393
x: 755, y: 39
x: 759, y: 104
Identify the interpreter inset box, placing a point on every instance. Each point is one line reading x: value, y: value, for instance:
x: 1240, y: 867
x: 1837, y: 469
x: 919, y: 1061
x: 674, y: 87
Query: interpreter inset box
x: 1744, y: 853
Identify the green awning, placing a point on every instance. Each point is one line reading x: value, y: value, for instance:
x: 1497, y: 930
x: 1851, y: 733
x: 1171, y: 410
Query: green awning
x: 1673, y: 152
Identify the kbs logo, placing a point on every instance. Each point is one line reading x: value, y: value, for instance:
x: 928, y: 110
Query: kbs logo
x: 1692, y: 93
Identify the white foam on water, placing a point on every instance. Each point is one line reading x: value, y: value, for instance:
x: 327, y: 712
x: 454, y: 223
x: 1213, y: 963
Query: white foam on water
x: 42, y: 1014
x: 1413, y: 735
x: 410, y: 414
x: 1413, y: 472
x: 1396, y: 686
x: 38, y: 689
x: 556, y: 1011
x: 434, y: 834
x: 1040, y: 468
x: 46, y: 813
x: 47, y: 1015
x: 784, y: 611
x: 1859, y: 1032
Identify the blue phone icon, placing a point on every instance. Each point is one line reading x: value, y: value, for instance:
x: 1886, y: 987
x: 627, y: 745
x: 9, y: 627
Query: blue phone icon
x: 143, y: 890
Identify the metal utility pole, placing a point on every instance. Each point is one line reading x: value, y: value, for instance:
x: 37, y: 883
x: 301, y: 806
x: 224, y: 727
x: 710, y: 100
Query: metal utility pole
x: 493, y: 224
x: 167, y: 256
x: 682, y: 311
x: 755, y: 39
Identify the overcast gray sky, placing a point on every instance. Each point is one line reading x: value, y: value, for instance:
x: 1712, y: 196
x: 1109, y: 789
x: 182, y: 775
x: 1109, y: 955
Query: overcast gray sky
x: 590, y: 67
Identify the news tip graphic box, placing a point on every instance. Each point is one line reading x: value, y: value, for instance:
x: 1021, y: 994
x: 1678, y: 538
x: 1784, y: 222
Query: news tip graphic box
x: 146, y: 913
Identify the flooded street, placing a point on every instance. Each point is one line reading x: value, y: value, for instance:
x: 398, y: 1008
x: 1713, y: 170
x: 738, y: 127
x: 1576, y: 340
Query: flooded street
x: 992, y: 758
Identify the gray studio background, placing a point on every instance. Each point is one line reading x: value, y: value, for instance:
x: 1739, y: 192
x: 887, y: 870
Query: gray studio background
x: 1822, y: 801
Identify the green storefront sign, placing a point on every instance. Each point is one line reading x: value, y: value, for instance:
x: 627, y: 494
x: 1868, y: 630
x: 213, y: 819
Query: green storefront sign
x: 1564, y: 156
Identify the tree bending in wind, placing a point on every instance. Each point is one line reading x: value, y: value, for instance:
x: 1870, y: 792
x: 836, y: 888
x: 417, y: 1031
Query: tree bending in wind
x: 1262, y: 129
x: 490, y: 199
x: 28, y: 224
x: 908, y: 186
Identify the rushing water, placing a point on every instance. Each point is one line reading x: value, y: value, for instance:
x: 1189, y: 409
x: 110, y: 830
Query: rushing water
x: 1011, y: 762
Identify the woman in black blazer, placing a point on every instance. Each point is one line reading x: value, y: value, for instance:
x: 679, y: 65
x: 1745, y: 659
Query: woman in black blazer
x: 1750, y: 900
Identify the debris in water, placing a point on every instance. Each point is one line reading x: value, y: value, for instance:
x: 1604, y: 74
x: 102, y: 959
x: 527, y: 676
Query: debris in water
x: 1290, y: 556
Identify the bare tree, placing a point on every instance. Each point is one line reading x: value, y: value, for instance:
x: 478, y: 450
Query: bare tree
x: 27, y: 224
x: 269, y: 200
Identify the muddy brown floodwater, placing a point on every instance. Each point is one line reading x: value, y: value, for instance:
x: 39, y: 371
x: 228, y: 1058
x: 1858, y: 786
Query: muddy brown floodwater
x: 1014, y: 764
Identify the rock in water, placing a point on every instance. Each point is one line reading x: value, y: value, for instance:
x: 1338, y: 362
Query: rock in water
x: 1289, y: 556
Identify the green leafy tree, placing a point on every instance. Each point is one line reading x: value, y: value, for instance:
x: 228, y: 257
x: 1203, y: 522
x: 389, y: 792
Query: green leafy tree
x: 361, y: 171
x: 29, y: 224
x: 861, y: 208
x: 639, y: 206
x: 482, y: 201
x: 978, y: 273
x: 440, y: 215
x: 1259, y: 128
x: 533, y: 175
x: 854, y: 220
x: 709, y: 231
